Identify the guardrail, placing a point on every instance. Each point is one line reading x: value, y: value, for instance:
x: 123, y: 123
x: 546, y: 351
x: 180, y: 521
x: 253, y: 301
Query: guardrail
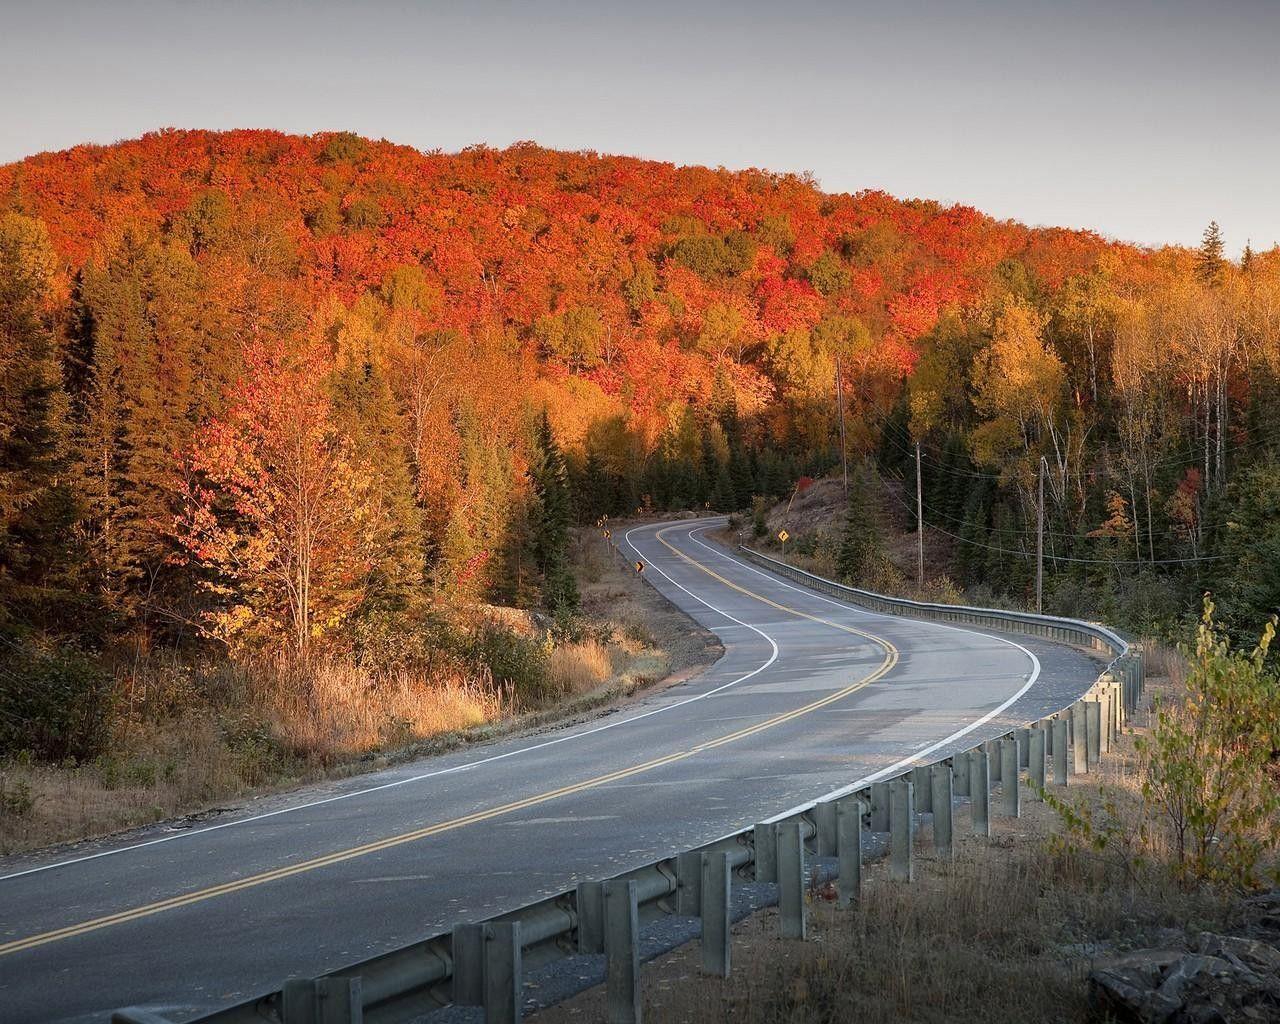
x: 483, y: 964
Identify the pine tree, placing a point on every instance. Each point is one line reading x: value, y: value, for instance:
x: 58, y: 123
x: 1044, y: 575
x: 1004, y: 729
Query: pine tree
x: 364, y: 411
x: 550, y: 521
x: 37, y: 507
x: 158, y: 363
x: 1209, y: 257
x: 860, y: 539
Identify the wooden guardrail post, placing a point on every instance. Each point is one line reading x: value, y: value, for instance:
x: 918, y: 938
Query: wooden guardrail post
x: 622, y: 949
x: 1093, y: 732
x: 1010, y: 806
x: 503, y: 972
x: 688, y: 883
x: 717, y: 875
x: 1079, y: 760
x: 879, y: 807
x: 849, y: 814
x: 940, y: 798
x: 1060, y: 750
x: 980, y: 793
x: 902, y: 822
x: 589, y: 905
x: 826, y: 841
x: 322, y: 1001
x: 960, y: 766
x: 467, y: 953
x: 791, y: 907
x: 1036, y: 757
x: 764, y: 838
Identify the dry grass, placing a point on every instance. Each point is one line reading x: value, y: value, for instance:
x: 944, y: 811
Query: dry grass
x: 578, y: 668
x: 182, y: 740
x: 333, y: 710
x: 185, y: 738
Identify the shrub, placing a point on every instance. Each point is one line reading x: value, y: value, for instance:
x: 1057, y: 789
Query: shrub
x: 16, y: 798
x: 53, y: 704
x: 1211, y: 761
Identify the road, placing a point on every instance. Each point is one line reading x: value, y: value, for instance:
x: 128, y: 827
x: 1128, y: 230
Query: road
x: 810, y: 696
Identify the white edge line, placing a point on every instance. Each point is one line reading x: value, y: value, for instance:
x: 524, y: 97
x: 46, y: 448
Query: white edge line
x: 187, y: 834
x: 918, y: 756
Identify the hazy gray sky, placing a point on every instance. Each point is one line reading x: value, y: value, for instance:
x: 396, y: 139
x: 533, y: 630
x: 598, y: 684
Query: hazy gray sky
x: 1141, y: 120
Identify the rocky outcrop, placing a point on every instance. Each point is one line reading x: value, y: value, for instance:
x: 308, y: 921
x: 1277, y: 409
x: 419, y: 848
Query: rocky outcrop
x: 1221, y: 979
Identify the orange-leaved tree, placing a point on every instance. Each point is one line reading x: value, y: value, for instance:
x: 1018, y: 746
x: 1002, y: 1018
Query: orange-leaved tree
x: 277, y: 508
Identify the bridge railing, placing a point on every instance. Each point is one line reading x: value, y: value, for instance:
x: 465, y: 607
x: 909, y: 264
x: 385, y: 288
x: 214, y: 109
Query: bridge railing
x: 483, y: 963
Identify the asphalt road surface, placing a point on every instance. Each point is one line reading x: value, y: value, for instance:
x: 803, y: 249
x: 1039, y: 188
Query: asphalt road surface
x: 811, y: 695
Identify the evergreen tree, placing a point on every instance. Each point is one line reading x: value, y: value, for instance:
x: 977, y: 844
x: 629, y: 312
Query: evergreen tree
x: 364, y: 411
x: 157, y: 365
x: 860, y: 539
x: 37, y: 507
x: 550, y: 521
x: 1209, y: 257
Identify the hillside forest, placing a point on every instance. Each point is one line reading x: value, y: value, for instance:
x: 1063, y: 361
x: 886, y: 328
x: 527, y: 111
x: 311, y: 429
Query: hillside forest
x: 271, y: 400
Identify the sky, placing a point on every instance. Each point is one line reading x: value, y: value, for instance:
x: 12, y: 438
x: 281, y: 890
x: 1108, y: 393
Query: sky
x: 1143, y: 121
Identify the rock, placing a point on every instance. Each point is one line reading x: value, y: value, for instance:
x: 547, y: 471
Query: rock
x: 1228, y: 979
x: 1257, y: 956
x: 1128, y: 986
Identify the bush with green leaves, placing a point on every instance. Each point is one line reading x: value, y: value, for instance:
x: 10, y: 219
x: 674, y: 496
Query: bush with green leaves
x: 1212, y: 761
x: 53, y: 705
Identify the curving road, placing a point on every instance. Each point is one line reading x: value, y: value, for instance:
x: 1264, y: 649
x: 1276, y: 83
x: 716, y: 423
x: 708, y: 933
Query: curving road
x: 812, y: 695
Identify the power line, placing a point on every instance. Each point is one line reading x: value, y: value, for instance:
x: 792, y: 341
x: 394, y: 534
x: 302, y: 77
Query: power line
x: 1065, y: 558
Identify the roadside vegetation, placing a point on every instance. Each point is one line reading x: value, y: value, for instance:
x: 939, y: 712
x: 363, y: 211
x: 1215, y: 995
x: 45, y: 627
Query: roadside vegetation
x: 160, y: 736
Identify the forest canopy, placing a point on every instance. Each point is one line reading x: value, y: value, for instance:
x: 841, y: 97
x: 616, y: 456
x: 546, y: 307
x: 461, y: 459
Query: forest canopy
x: 257, y: 388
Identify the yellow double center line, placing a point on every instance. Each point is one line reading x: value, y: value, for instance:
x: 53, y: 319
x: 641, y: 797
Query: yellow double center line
x: 226, y: 888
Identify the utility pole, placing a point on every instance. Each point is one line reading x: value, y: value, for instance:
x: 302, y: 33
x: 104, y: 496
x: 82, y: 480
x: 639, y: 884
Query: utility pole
x: 844, y: 451
x: 1040, y: 543
x: 919, y: 523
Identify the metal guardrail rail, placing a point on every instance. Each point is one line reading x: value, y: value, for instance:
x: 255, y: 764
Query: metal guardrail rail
x: 483, y: 964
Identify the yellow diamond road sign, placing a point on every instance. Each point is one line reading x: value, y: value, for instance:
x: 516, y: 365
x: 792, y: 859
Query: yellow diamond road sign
x: 783, y: 536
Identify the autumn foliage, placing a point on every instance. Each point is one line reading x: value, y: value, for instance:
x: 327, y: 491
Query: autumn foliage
x: 263, y: 387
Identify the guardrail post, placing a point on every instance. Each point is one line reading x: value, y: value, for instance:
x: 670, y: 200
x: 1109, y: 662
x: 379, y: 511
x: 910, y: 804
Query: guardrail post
x: 622, y: 947
x: 503, y: 972
x: 992, y: 751
x: 764, y: 838
x: 791, y: 908
x: 1104, y: 719
x: 589, y: 906
x: 1047, y: 725
x: 688, y: 883
x: 1079, y: 762
x: 1010, y: 805
x: 960, y: 767
x: 1060, y: 728
x: 923, y: 790
x: 1024, y: 748
x: 717, y: 874
x: 940, y: 799
x: 825, y: 840
x: 1036, y: 752
x: 322, y: 1001
x: 849, y: 814
x: 1093, y: 732
x: 902, y: 819
x: 467, y: 953
x: 879, y: 807
x: 980, y: 793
